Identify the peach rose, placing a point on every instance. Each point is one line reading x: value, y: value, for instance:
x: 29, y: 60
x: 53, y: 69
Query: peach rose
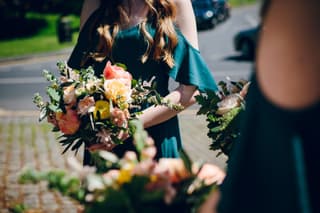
x: 68, y: 122
x: 114, y: 71
x: 69, y: 95
x: 117, y: 91
x: 85, y: 104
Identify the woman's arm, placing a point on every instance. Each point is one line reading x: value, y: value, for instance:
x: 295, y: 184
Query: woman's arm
x: 183, y: 94
x: 288, y: 60
x: 88, y: 7
x: 186, y: 21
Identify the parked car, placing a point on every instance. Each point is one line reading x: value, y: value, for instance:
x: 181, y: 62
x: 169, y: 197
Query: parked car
x: 245, y: 42
x: 205, y: 13
x: 222, y: 9
x: 210, y: 13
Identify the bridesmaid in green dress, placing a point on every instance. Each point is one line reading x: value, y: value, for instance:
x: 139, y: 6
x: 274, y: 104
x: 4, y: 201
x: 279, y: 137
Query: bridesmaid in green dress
x: 153, y: 38
x: 275, y: 166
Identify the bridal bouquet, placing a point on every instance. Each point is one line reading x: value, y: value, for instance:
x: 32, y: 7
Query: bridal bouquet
x: 223, y: 109
x: 92, y: 109
x: 134, y: 183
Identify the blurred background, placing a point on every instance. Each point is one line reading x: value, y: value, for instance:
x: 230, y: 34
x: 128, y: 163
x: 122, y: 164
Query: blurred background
x: 35, y: 34
x: 34, y: 26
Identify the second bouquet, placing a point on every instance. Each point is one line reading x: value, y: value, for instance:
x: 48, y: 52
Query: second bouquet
x: 89, y: 109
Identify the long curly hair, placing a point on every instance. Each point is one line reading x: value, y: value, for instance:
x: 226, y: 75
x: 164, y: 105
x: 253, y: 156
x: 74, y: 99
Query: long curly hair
x: 161, y: 14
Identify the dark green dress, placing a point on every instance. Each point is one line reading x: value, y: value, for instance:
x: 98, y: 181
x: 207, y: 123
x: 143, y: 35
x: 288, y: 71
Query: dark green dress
x: 275, y: 165
x: 129, y: 46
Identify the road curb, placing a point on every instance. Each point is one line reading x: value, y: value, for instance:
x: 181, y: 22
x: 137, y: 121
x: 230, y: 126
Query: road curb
x: 33, y: 57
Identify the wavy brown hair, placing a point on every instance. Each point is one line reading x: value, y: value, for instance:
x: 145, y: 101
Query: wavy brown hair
x: 161, y: 14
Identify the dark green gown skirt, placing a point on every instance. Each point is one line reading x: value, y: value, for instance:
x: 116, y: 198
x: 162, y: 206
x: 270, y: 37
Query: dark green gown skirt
x: 275, y: 165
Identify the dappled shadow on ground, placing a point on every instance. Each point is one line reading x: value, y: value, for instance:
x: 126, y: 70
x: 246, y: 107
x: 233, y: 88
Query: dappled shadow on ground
x: 17, y: 28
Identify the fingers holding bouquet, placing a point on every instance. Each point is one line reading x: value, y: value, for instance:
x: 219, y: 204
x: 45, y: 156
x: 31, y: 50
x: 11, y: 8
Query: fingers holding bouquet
x: 95, y: 110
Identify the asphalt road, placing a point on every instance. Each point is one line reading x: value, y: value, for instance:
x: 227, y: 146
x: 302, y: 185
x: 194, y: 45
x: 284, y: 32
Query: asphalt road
x: 20, y: 79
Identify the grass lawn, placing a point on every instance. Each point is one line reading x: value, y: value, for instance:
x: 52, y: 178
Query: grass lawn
x: 44, y: 41
x: 236, y: 3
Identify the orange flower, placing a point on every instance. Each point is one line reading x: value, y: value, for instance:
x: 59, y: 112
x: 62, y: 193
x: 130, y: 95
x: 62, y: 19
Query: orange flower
x: 68, y: 122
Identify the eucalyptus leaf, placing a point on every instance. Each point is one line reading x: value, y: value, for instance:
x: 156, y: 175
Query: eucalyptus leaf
x: 53, y: 94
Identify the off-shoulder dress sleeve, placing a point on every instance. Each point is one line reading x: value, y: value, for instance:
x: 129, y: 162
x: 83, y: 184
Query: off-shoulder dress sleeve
x: 190, y: 68
x: 83, y: 44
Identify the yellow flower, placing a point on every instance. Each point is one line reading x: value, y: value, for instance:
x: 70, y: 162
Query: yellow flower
x: 117, y: 91
x: 103, y: 107
x: 153, y: 178
x: 124, y: 176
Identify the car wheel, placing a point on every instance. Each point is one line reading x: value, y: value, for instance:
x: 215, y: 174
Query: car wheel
x: 220, y: 17
x: 214, y: 23
x: 247, y: 49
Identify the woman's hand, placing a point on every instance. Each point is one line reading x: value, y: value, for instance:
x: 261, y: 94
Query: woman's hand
x: 123, y: 135
x: 211, y: 174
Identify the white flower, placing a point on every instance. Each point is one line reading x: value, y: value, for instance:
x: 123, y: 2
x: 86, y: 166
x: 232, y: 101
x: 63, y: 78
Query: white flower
x: 80, y: 170
x: 94, y: 182
x: 228, y: 103
x: 93, y: 85
x: 104, y: 137
x: 108, y: 156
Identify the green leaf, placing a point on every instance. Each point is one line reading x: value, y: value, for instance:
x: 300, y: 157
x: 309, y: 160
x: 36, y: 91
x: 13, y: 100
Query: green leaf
x: 53, y: 107
x: 77, y: 145
x: 186, y: 160
x: 43, y: 113
x: 121, y: 65
x: 53, y: 94
x: 139, y: 134
x: 68, y: 145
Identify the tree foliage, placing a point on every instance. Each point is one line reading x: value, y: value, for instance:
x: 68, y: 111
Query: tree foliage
x: 18, y: 8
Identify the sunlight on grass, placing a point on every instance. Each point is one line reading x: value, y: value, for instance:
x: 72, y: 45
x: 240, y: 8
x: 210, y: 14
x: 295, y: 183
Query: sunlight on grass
x: 45, y: 40
x: 19, y: 47
x: 236, y: 3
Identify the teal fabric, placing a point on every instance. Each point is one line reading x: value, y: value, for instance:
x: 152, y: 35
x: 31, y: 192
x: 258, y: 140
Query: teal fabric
x: 275, y: 165
x: 129, y: 46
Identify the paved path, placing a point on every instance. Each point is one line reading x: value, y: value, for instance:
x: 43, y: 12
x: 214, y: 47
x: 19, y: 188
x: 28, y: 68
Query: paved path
x: 26, y: 143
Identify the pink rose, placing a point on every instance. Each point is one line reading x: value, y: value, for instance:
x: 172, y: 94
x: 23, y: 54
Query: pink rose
x: 68, y: 122
x: 114, y: 71
x: 85, y: 104
x: 120, y: 117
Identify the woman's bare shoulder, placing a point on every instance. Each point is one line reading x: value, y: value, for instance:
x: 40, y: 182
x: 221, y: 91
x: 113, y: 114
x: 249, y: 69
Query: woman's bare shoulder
x: 186, y: 21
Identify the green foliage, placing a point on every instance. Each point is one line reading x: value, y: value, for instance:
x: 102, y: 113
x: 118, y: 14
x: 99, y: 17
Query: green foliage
x: 224, y: 130
x: 57, y: 180
x: 135, y: 186
x: 223, y: 111
x: 43, y: 39
x: 18, y: 208
x: 237, y: 3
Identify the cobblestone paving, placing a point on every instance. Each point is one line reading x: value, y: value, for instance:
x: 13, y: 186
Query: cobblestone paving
x: 26, y: 143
